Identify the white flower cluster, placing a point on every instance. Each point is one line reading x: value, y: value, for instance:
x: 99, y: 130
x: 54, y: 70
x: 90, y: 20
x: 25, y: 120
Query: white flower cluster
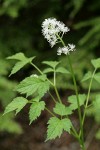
x: 66, y: 49
x: 51, y: 28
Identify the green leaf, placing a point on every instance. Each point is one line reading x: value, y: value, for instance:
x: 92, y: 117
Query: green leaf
x: 66, y: 124
x: 35, y: 110
x: 97, y: 77
x: 17, y: 104
x: 32, y: 85
x: 56, y: 127
x: 62, y: 110
x: 22, y: 61
x: 52, y: 64
x: 96, y: 63
x: 48, y: 70
x: 18, y: 66
x: 18, y: 56
x: 87, y: 76
x: 73, y: 100
x: 62, y: 70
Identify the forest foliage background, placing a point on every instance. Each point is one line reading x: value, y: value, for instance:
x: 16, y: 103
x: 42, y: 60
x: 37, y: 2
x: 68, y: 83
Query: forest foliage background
x: 20, y: 31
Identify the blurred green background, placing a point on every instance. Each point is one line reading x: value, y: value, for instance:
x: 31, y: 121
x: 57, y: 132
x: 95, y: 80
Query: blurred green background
x: 20, y: 31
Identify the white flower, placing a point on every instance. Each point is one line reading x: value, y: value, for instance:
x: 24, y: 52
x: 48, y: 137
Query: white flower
x: 63, y: 50
x: 71, y: 47
x: 51, y: 28
x: 66, y: 49
x: 59, y: 51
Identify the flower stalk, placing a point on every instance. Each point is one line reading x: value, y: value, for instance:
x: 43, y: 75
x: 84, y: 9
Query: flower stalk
x: 53, y: 31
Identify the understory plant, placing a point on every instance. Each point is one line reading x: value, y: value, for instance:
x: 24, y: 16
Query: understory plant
x: 37, y: 85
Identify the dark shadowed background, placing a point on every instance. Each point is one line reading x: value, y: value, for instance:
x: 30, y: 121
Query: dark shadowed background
x: 20, y: 31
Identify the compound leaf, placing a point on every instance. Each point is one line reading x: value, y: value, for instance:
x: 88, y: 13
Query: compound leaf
x: 56, y: 127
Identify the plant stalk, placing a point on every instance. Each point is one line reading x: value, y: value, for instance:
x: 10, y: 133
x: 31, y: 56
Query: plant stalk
x: 76, y: 91
x: 88, y: 96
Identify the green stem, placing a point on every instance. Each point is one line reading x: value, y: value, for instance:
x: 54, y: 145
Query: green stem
x: 49, y: 112
x: 52, y: 97
x: 75, y: 132
x: 36, y: 68
x: 54, y: 78
x: 76, y: 91
x: 78, y: 103
x: 56, y: 88
x: 57, y: 94
x: 77, y: 137
x: 88, y: 96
